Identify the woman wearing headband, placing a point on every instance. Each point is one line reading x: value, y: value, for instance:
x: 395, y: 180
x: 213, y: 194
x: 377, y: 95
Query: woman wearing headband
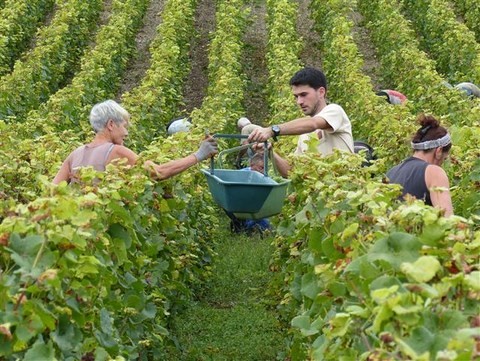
x: 421, y: 174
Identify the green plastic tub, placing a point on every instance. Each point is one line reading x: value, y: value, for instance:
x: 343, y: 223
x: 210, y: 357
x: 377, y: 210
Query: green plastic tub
x: 247, y: 194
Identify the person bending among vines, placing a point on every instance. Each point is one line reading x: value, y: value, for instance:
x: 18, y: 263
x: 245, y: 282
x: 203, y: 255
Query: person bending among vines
x: 421, y: 174
x: 246, y: 128
x: 110, y: 122
x: 469, y: 89
x: 392, y: 96
x: 256, y: 163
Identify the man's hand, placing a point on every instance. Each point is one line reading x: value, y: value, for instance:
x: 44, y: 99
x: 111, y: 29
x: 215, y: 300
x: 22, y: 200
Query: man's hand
x: 207, y: 149
x: 260, y: 135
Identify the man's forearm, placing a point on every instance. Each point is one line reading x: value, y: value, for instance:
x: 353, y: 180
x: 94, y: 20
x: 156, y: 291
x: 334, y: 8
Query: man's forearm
x: 283, y: 167
x: 303, y: 125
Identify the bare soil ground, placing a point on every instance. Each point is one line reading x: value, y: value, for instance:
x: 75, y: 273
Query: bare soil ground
x: 361, y: 37
x: 255, y: 65
x: 254, y: 62
x: 105, y: 15
x: 311, y: 54
x: 46, y: 22
x: 140, y: 64
x: 197, y: 80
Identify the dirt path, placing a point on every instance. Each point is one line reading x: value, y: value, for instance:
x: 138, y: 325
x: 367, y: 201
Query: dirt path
x: 140, y: 64
x: 361, y: 36
x: 105, y: 14
x: 255, y: 66
x: 311, y: 54
x: 46, y: 22
x: 197, y: 80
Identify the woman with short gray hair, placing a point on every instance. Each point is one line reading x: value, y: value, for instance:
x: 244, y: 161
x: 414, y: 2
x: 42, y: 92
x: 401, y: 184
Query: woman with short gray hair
x: 110, y: 122
x: 102, y: 112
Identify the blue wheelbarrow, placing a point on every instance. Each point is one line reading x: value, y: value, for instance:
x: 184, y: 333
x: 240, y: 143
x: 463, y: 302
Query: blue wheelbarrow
x: 245, y: 193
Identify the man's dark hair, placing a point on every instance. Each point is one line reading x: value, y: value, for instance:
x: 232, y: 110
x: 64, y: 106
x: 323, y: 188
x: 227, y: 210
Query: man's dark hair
x: 369, y: 154
x: 383, y: 93
x: 309, y: 76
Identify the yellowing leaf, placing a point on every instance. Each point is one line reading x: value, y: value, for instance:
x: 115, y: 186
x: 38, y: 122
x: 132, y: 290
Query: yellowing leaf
x: 350, y: 231
x: 422, y: 270
x: 338, y: 326
x: 381, y: 295
x: 83, y: 218
x: 473, y: 280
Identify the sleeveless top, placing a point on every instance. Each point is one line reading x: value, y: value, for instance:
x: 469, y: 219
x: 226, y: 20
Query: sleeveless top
x: 411, y: 175
x: 94, y: 156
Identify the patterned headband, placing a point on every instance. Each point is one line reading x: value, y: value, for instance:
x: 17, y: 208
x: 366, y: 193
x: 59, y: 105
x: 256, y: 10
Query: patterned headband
x: 431, y: 144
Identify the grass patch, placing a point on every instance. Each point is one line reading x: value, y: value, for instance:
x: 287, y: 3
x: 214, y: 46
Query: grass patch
x: 243, y: 332
x: 241, y: 270
x: 231, y: 319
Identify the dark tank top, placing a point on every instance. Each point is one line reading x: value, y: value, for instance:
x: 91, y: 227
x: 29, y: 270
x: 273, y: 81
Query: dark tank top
x: 411, y: 175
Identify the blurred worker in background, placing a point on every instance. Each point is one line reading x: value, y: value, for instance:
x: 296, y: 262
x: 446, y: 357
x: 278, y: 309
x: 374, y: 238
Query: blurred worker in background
x: 176, y: 125
x: 245, y: 127
x: 392, y: 96
x: 470, y: 89
x: 249, y: 226
x: 467, y: 88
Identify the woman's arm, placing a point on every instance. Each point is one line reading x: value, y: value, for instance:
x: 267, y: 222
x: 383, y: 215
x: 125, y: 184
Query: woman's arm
x: 169, y: 169
x: 207, y: 148
x: 63, y: 173
x: 439, y: 187
x: 121, y: 152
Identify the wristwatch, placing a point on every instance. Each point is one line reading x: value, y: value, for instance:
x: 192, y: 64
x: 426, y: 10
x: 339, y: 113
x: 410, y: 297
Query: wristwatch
x: 276, y: 131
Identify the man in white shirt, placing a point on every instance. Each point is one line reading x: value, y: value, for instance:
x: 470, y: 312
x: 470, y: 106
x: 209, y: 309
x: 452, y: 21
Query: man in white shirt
x: 328, y: 122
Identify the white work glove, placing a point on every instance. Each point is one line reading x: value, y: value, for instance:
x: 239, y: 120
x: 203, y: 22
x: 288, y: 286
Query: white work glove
x: 207, y: 148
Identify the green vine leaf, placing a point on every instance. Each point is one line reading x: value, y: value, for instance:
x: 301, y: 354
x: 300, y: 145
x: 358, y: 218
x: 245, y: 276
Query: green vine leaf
x: 423, y: 269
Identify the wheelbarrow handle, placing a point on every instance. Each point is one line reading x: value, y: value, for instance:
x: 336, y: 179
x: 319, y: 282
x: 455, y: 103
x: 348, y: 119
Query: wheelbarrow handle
x: 241, y: 136
x: 231, y: 136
